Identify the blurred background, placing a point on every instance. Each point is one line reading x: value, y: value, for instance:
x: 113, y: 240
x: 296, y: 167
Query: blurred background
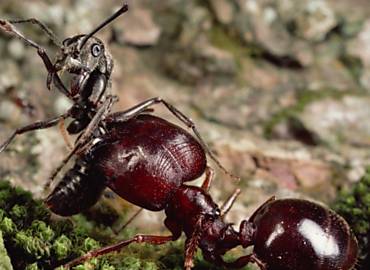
x: 279, y: 89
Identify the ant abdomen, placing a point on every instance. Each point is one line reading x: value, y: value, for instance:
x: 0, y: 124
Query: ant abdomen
x: 78, y: 190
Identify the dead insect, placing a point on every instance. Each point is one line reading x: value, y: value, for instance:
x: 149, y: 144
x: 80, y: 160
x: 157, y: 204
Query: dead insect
x: 90, y: 65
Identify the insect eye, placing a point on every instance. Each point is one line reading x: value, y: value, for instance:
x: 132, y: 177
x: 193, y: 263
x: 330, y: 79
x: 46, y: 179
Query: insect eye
x: 96, y: 49
x: 66, y: 42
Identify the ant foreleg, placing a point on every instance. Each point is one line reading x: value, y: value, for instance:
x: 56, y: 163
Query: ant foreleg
x: 52, y: 76
x: 140, y: 238
x: 141, y: 107
x: 34, y: 126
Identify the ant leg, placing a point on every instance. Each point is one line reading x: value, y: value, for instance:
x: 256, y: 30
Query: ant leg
x: 52, y: 76
x: 95, y: 121
x: 242, y: 261
x: 140, y: 238
x: 257, y: 261
x: 64, y: 133
x: 43, y: 27
x: 34, y: 126
x: 139, y: 108
x: 225, y: 208
x: 191, y: 244
x: 210, y: 173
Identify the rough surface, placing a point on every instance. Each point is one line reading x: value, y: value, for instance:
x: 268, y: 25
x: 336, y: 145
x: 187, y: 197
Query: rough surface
x: 279, y: 89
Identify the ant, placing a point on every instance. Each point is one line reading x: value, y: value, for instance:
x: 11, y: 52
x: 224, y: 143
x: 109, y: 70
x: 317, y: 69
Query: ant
x: 90, y: 65
x: 288, y: 234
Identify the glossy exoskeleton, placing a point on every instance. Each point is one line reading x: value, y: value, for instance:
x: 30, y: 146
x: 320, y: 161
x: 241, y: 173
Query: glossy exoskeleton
x: 150, y: 171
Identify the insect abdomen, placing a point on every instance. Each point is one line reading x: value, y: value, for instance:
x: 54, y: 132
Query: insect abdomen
x: 79, y: 189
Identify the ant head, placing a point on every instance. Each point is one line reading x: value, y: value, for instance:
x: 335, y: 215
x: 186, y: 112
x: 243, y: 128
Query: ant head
x: 83, y: 54
x: 79, y: 55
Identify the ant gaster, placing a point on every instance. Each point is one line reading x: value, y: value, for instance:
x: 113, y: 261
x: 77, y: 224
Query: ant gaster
x: 90, y: 65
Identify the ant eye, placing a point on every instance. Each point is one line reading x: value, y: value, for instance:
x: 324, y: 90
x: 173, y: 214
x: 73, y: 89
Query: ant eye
x: 95, y: 49
x: 66, y: 42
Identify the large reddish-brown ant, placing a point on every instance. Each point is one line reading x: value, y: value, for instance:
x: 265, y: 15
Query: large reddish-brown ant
x: 150, y: 171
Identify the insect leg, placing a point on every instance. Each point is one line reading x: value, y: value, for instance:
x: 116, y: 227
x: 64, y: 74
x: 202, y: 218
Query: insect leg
x: 52, y: 76
x: 208, y: 179
x: 34, y: 126
x: 83, y: 141
x: 43, y: 27
x: 140, y: 238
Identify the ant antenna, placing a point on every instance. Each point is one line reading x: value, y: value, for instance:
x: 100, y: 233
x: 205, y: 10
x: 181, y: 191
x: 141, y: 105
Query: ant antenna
x: 118, y: 13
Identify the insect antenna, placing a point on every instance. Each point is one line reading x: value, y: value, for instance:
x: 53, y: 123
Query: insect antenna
x: 118, y: 13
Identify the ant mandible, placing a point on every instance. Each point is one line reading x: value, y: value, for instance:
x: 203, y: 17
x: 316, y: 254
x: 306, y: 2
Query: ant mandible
x: 90, y: 65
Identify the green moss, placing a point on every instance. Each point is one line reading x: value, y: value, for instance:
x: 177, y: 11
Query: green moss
x: 7, y: 226
x: 32, y: 266
x: 354, y: 206
x: 32, y: 238
x: 4, y: 259
x: 62, y: 247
